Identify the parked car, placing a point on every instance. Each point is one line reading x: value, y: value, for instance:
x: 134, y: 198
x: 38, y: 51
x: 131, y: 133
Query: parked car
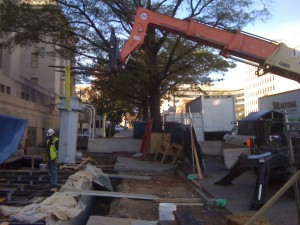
x: 119, y: 128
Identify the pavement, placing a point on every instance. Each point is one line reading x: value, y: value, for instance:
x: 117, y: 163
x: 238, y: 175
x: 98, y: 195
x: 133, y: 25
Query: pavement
x: 125, y: 133
x: 240, y: 194
x: 122, y: 141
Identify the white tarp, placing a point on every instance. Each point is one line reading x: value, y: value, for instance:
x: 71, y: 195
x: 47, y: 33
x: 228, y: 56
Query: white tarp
x: 60, y: 206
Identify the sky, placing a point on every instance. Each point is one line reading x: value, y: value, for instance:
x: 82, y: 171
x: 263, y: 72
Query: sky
x: 283, y: 26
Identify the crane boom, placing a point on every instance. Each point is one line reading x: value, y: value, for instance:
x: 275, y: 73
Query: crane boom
x: 270, y: 56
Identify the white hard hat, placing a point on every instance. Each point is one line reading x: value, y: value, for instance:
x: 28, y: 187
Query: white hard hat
x: 50, y: 132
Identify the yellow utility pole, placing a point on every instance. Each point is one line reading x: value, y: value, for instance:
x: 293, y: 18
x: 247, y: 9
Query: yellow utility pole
x: 68, y: 84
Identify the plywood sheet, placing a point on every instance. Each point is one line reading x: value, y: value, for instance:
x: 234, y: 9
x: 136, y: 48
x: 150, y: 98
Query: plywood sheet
x: 156, y: 138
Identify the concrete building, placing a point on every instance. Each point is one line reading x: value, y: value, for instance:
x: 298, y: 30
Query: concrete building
x: 30, y: 89
x: 256, y: 87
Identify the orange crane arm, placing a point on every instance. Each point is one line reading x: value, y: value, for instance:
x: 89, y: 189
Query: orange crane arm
x: 270, y: 56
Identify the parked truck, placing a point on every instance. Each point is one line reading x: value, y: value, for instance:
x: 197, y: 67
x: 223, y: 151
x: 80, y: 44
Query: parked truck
x: 213, y: 116
x: 285, y: 102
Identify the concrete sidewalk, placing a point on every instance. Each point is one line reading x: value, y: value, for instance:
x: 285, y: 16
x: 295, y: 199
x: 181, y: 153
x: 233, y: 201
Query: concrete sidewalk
x: 240, y: 194
x: 111, y: 145
x: 121, y: 142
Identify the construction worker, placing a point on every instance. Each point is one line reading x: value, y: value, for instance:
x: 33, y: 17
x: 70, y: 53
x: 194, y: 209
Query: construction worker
x: 52, y: 156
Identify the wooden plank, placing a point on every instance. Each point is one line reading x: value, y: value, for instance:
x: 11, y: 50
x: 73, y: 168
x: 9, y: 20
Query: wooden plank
x: 200, y: 176
x: 110, y: 194
x: 79, y: 164
x: 85, y: 161
x: 194, y: 150
x: 156, y: 138
x: 185, y: 217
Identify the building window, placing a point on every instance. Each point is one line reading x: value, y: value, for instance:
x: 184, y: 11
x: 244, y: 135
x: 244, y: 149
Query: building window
x: 25, y: 96
x: 8, y: 90
x: 34, y: 80
x: 2, y: 88
x: 34, y: 60
x: 31, y: 136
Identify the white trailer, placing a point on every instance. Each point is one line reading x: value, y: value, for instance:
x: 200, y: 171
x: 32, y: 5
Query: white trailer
x: 213, y: 116
x: 285, y: 102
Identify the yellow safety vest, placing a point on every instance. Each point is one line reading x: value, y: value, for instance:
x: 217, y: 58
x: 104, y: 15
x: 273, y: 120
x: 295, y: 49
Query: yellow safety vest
x: 53, y: 150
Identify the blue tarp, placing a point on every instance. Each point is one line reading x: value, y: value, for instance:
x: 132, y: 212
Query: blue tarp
x: 11, y: 132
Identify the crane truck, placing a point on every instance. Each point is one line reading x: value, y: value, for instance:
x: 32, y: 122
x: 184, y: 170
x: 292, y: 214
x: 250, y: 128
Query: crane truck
x: 268, y: 56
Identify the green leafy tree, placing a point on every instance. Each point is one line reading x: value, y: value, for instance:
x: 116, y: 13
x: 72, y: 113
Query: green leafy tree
x: 164, y: 62
x: 114, y: 108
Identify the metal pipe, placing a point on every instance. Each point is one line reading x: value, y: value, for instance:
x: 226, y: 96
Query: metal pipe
x: 90, y: 121
x: 91, y: 107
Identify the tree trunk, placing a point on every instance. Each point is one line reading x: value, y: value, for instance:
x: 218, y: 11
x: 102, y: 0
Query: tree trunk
x: 145, y: 111
x: 155, y: 109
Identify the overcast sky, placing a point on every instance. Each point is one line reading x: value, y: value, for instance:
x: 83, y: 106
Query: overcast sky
x: 284, y: 26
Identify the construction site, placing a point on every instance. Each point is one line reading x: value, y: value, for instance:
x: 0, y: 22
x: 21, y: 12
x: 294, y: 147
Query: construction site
x: 197, y: 170
x: 124, y: 180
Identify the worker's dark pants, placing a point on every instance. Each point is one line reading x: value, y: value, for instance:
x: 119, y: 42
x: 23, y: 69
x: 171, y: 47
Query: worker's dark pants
x: 52, y: 168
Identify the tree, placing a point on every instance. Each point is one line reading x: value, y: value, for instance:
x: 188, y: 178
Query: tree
x: 113, y: 108
x: 162, y: 64
x: 169, y: 61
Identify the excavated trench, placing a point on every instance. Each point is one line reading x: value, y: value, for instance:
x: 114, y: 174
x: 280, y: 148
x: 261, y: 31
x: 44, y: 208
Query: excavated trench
x: 163, y: 185
x: 22, y: 181
x: 101, y: 205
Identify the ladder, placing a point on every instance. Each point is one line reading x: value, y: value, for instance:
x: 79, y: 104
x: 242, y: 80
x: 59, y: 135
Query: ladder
x: 196, y: 149
x: 197, y: 121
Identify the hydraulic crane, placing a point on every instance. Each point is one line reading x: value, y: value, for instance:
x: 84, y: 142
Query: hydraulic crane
x: 269, y: 56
